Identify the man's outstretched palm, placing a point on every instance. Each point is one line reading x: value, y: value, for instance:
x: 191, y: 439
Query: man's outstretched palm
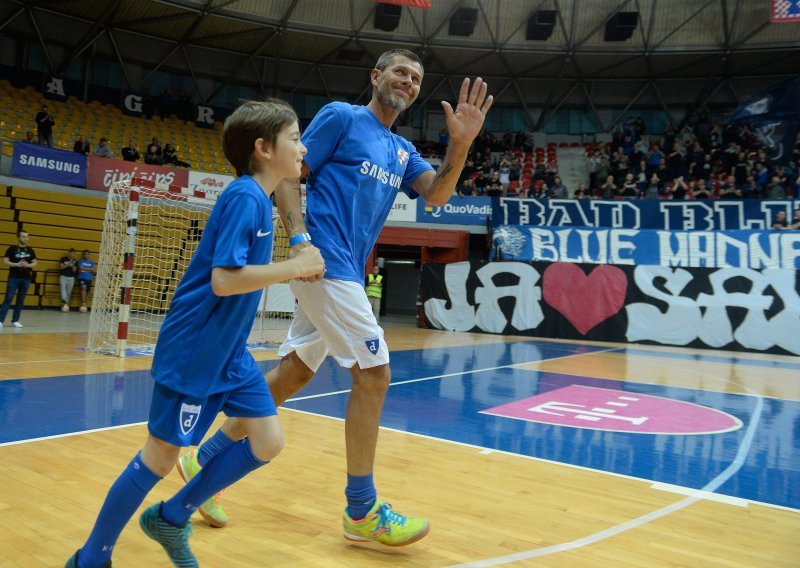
x: 466, y: 121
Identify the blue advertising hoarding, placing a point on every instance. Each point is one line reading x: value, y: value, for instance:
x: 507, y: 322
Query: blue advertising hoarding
x: 457, y: 211
x: 41, y: 163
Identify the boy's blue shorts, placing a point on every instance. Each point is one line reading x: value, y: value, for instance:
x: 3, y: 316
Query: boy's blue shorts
x: 182, y: 420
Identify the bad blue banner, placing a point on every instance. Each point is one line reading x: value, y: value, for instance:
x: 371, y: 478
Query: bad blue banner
x: 457, y: 211
x: 32, y: 161
x: 701, y: 215
x: 709, y: 249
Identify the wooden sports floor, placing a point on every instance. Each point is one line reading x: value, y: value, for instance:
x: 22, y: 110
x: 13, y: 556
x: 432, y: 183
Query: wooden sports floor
x: 469, y: 441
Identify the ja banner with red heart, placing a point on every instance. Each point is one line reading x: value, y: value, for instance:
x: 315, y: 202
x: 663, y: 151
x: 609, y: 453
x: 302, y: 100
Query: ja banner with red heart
x: 585, y: 300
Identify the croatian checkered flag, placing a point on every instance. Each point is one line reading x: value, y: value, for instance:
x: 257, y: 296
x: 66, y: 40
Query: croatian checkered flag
x: 785, y: 11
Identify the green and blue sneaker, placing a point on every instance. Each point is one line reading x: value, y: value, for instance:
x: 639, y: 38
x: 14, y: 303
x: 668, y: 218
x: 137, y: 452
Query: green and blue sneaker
x: 175, y: 540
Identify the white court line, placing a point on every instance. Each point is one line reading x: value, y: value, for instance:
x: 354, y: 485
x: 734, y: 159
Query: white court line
x: 700, y: 494
x: 68, y: 434
x: 458, y: 373
x: 95, y: 358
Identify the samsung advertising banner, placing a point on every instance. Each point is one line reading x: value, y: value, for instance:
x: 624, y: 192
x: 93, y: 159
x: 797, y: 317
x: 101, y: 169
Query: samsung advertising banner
x: 104, y: 172
x: 710, y: 249
x: 719, y: 308
x: 41, y: 163
x: 679, y: 215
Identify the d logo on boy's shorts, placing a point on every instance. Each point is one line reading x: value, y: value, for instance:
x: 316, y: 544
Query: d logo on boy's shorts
x: 189, y: 415
x: 372, y: 343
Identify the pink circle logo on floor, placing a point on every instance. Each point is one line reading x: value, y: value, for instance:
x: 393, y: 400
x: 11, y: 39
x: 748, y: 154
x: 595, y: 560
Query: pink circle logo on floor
x: 617, y: 411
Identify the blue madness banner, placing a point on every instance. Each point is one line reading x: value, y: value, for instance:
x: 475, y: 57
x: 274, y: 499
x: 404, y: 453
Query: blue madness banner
x: 700, y: 215
x: 704, y: 249
x: 457, y: 211
x: 32, y: 161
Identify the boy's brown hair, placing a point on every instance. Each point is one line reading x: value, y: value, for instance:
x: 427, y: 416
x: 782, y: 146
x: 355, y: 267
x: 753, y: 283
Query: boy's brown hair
x: 249, y: 122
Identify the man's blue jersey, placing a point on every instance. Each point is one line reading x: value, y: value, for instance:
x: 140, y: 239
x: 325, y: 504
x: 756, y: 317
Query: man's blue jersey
x: 357, y: 166
x: 201, y: 348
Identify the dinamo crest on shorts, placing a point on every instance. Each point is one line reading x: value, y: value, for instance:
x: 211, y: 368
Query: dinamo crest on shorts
x: 189, y: 415
x: 373, y: 344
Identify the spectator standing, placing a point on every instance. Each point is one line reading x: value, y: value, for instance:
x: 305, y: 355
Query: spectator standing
x: 86, y: 271
x: 21, y: 259
x: 130, y: 153
x: 44, y: 127
x: 66, y: 280
x: 375, y: 291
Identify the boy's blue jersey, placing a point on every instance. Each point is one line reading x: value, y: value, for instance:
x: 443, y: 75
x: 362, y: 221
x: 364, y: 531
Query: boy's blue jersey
x: 85, y: 264
x: 357, y: 166
x: 201, y: 348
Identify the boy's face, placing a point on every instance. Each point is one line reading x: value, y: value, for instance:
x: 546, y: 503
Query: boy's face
x: 287, y: 155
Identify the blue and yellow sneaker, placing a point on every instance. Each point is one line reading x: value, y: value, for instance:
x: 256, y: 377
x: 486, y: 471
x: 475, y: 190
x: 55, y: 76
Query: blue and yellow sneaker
x: 175, y: 540
x: 211, y: 510
x: 384, y: 525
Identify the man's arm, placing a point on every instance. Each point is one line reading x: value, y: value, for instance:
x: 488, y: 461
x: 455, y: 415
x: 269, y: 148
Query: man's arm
x: 463, y: 125
x: 288, y: 199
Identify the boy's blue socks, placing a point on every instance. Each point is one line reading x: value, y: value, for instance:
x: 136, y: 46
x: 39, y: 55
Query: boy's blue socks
x: 211, y: 447
x: 361, y: 495
x: 224, y: 469
x: 124, y: 497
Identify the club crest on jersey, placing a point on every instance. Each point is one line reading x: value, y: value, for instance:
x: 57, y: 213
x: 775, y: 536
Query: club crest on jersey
x: 189, y: 415
x: 402, y: 156
x: 372, y: 343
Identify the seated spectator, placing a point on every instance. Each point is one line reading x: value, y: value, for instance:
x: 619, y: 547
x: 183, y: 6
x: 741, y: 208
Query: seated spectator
x: 559, y: 190
x: 102, y: 149
x: 465, y: 188
x: 701, y: 190
x: 153, y: 154
x: 728, y: 189
x: 582, y: 192
x: 655, y: 187
x: 775, y: 189
x: 679, y: 189
x: 170, y: 156
x: 495, y: 189
x: 796, y: 221
x: 29, y: 138
x: 82, y: 146
x: 780, y: 223
x: 628, y: 189
x: 608, y: 190
x: 130, y: 153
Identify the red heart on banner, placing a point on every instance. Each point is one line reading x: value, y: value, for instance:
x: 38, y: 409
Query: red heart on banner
x: 584, y: 300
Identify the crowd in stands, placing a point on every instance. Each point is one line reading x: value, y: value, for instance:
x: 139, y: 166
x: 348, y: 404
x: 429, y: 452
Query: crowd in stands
x: 704, y: 160
x: 154, y: 154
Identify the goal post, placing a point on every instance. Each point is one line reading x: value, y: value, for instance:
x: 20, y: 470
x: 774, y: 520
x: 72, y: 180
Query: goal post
x: 150, y: 234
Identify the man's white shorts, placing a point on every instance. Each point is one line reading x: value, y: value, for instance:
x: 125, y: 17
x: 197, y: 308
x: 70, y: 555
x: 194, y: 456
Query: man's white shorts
x: 334, y: 316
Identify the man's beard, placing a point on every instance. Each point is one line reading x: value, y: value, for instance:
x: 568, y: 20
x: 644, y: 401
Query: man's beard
x: 387, y: 98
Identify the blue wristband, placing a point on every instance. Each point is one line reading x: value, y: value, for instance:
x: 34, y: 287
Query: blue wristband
x: 299, y: 238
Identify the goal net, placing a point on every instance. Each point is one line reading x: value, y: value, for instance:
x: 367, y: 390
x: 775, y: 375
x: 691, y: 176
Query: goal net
x: 149, y: 236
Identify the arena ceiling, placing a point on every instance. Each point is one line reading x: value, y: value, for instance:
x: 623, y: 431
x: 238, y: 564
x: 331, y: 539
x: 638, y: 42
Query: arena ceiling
x: 682, y: 53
